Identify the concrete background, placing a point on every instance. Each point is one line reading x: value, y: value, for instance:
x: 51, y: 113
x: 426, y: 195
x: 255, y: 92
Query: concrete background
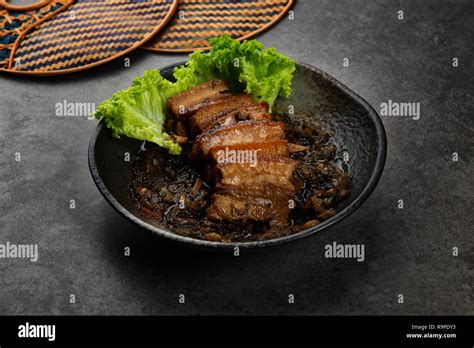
x: 408, y: 251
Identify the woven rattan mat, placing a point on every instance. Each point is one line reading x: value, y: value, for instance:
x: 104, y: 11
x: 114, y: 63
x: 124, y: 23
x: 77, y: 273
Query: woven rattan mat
x: 62, y: 36
x: 196, y: 21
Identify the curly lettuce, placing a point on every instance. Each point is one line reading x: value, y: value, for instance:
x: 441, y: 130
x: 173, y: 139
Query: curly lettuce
x: 265, y: 74
x: 140, y: 111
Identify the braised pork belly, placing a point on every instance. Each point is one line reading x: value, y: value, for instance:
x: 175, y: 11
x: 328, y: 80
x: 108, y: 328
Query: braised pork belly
x: 276, y: 170
x: 218, y: 154
x: 245, y: 132
x: 184, y: 103
x: 241, y: 148
x: 245, y: 174
x: 207, y: 115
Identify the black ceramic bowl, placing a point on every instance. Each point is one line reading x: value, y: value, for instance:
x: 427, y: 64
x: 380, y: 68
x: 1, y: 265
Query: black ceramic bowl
x: 355, y: 124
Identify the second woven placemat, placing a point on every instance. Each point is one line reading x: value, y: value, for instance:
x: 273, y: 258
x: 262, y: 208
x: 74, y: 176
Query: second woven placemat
x: 196, y: 21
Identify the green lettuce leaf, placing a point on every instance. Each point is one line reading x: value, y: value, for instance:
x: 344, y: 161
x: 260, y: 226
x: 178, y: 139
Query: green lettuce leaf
x: 140, y: 111
x: 265, y: 74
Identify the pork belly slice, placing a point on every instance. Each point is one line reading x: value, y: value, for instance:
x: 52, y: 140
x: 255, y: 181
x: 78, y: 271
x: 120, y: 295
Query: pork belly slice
x: 241, y: 152
x: 186, y: 102
x: 297, y: 148
x: 278, y: 147
x: 226, y: 120
x: 267, y: 190
x: 231, y: 209
x: 237, y: 204
x: 245, y: 132
x: 255, y: 112
x: 257, y: 171
x: 208, y: 114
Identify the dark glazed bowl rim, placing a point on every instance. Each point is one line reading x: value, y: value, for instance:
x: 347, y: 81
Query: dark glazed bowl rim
x: 368, y: 189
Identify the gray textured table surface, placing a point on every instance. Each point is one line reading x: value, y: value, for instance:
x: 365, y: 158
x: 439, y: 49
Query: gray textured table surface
x: 408, y: 251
